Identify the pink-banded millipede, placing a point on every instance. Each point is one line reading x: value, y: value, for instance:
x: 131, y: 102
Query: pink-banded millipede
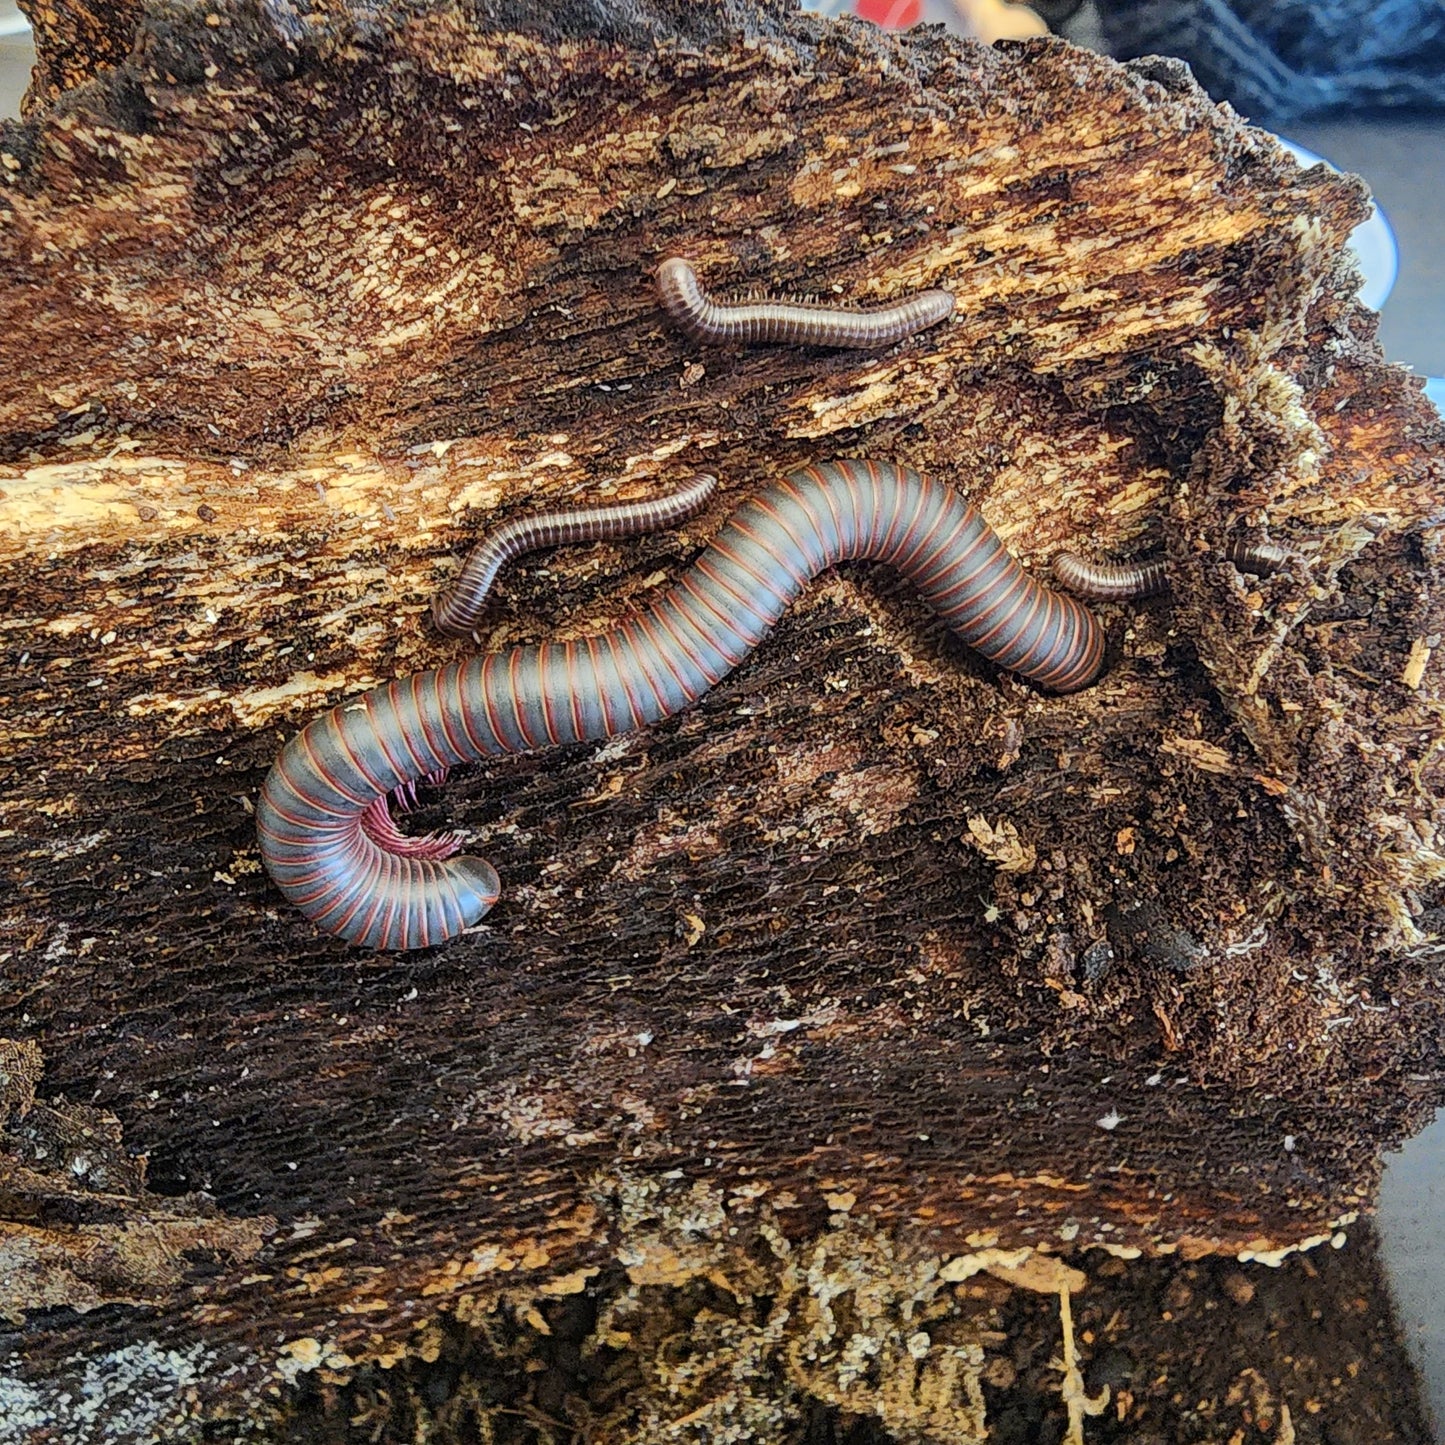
x: 800, y: 323
x: 459, y: 608
x: 1126, y: 582
x: 332, y: 848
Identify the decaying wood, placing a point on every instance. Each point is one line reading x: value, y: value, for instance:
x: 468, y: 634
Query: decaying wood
x: 876, y: 971
x: 73, y: 40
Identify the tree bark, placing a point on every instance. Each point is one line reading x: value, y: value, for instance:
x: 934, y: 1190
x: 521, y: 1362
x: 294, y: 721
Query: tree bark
x: 876, y: 969
x: 75, y: 39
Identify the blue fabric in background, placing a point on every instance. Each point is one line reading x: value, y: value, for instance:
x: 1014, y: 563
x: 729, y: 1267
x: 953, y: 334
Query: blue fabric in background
x: 1435, y: 390
x: 1277, y: 61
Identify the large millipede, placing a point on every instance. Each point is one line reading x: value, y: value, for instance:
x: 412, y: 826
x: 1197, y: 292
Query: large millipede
x: 800, y: 323
x: 327, y: 838
x: 1129, y: 581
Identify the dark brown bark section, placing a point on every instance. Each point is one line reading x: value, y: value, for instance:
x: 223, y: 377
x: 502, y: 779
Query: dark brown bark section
x: 855, y: 956
x: 75, y: 40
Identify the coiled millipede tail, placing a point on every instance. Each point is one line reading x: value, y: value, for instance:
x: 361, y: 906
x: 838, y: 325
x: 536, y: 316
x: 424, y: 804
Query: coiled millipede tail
x: 327, y: 838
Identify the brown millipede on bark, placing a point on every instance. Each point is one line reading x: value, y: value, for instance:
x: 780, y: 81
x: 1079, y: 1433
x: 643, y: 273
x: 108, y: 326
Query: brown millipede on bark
x: 458, y: 609
x: 1127, y: 582
x: 800, y: 323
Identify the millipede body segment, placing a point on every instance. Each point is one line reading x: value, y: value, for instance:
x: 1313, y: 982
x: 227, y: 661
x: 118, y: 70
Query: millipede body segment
x: 800, y: 323
x: 1109, y: 581
x: 459, y: 608
x: 337, y: 861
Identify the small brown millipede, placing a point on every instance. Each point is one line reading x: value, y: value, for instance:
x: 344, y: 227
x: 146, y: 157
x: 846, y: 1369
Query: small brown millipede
x: 458, y: 609
x: 799, y: 323
x: 1110, y: 582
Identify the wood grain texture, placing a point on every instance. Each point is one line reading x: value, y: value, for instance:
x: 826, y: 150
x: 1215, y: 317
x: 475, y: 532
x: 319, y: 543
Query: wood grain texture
x: 893, y: 967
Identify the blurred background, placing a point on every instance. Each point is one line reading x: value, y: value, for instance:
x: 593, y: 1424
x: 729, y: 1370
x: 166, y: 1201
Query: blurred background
x: 1361, y: 84
x: 15, y: 55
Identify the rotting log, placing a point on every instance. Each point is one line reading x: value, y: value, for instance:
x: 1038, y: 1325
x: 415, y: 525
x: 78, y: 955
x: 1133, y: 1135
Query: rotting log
x: 875, y: 970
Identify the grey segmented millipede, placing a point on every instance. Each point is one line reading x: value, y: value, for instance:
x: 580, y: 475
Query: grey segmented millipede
x: 459, y: 608
x: 332, y: 848
x: 799, y: 323
x: 1129, y: 581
